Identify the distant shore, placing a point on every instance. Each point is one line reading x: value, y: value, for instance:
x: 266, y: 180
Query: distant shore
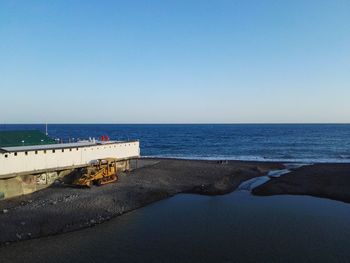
x: 61, y: 209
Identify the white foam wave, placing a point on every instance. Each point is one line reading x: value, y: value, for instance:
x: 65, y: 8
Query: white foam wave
x: 291, y: 161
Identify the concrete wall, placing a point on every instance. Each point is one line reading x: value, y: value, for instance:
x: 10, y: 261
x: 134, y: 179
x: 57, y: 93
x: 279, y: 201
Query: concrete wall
x: 31, y: 161
x: 26, y: 184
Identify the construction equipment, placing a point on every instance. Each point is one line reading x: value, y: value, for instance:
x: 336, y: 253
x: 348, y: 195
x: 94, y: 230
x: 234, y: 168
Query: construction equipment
x: 104, y: 171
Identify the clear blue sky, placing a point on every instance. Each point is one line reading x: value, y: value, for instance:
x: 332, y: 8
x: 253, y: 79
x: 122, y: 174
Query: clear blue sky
x: 174, y: 61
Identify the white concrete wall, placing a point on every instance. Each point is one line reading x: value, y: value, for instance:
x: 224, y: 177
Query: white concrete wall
x: 31, y: 161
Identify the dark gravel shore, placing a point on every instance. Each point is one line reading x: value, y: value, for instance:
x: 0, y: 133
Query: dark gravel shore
x: 62, y: 209
x: 321, y: 180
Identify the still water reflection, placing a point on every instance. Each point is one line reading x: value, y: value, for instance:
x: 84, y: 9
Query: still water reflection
x: 189, y: 228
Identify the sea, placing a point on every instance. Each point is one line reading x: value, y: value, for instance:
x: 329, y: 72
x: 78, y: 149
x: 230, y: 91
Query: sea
x: 260, y: 142
x: 237, y: 227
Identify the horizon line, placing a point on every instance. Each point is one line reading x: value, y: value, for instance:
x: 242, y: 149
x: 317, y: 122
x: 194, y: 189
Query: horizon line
x: 173, y: 123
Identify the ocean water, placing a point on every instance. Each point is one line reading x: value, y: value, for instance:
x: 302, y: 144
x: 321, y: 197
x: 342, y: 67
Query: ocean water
x: 237, y: 227
x: 277, y: 142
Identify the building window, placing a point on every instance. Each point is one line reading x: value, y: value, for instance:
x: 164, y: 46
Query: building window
x: 53, y: 151
x: 70, y: 149
x: 26, y: 153
x: 36, y: 152
x: 6, y: 155
x: 77, y: 149
x: 15, y: 154
x: 63, y: 150
x: 45, y: 151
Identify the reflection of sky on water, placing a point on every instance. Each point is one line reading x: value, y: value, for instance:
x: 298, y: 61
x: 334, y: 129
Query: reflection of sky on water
x: 191, y: 228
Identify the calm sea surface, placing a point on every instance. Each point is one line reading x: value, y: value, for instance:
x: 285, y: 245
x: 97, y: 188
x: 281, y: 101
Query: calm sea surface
x: 289, y: 142
x: 237, y: 227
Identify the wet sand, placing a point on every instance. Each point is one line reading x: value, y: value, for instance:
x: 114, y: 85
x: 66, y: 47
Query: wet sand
x: 320, y: 180
x: 61, y: 209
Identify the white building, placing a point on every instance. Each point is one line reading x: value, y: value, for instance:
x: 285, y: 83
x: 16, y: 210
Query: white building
x: 34, y: 159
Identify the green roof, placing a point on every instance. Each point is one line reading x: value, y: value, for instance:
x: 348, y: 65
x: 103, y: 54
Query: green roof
x: 23, y: 138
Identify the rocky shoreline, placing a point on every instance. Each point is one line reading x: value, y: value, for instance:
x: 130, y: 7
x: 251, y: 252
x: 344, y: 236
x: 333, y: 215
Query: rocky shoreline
x: 61, y: 209
x: 325, y: 180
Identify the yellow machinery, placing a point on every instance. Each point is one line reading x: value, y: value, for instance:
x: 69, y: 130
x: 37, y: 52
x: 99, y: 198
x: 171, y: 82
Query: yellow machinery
x: 104, y: 171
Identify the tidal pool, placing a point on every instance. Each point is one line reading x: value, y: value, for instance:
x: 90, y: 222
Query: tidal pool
x: 237, y: 227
